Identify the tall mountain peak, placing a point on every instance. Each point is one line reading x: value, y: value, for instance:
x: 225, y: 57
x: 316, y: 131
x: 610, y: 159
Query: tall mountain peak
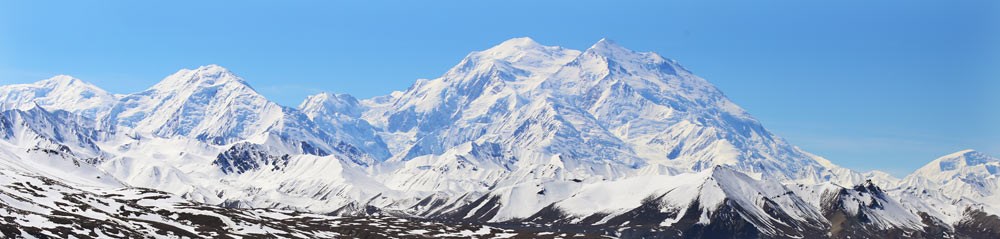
x: 204, y: 76
x: 523, y: 53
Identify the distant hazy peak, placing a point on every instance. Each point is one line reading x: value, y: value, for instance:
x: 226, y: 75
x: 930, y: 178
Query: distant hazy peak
x: 956, y: 162
x: 326, y: 102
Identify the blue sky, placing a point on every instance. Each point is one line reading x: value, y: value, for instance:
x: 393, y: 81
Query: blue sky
x: 883, y: 85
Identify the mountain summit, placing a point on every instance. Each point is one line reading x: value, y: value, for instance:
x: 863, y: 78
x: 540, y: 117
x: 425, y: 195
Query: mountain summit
x: 208, y: 103
x: 201, y: 77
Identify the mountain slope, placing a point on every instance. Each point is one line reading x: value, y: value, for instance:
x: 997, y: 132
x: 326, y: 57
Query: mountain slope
x: 715, y: 203
x: 666, y: 115
x: 35, y: 206
x: 340, y: 116
x: 37, y: 128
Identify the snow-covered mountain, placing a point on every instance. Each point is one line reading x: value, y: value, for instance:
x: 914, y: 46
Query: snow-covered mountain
x: 522, y: 111
x: 60, y: 92
x: 968, y: 173
x: 960, y: 189
x: 213, y: 105
x: 606, y: 140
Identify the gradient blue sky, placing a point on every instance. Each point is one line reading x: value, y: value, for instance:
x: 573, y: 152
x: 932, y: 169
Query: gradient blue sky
x: 885, y: 85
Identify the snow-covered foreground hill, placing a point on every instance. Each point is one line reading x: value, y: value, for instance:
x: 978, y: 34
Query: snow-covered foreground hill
x: 603, y: 141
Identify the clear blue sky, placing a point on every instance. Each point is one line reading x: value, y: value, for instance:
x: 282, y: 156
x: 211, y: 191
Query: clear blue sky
x: 883, y: 85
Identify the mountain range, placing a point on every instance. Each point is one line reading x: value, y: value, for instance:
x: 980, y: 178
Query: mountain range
x: 605, y: 141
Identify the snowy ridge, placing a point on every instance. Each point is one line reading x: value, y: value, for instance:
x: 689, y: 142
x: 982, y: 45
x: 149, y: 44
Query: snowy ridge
x: 713, y: 187
x: 606, y: 137
x: 689, y: 203
x: 36, y: 206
